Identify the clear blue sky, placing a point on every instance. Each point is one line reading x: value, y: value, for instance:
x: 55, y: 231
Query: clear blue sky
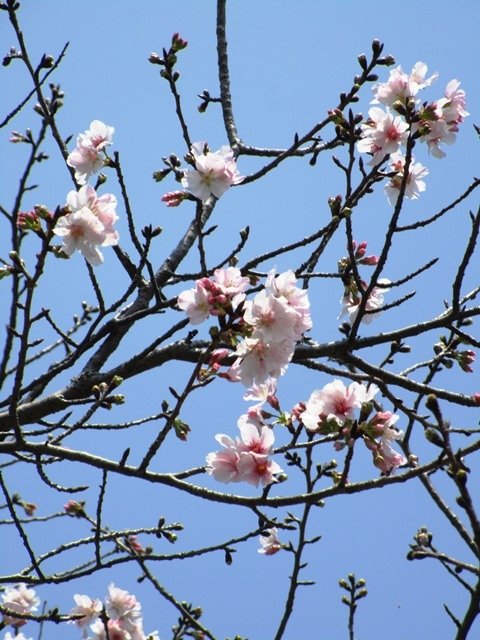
x: 289, y: 61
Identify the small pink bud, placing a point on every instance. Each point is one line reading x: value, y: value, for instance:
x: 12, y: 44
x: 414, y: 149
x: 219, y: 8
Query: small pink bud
x: 174, y: 198
x: 74, y: 508
x: 476, y: 398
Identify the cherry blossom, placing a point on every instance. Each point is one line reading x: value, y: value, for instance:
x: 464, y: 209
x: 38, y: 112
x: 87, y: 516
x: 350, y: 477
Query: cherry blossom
x: 87, y: 158
x: 263, y: 393
x: 258, y: 360
x: 82, y: 231
x: 351, y: 302
x: 245, y: 459
x: 257, y: 468
x: 384, y: 455
x: 438, y: 132
x: 214, y: 296
x: 195, y: 303
x: 18, y: 636
x: 335, y: 402
x: 414, y: 185
x: 87, y: 608
x: 121, y: 604
x: 283, y: 287
x: 19, y: 599
x: 272, y: 318
x: 115, y: 632
x: 452, y: 106
x: 214, y: 173
x: 102, y: 206
x: 270, y: 542
x: 401, y: 86
x: 382, y: 134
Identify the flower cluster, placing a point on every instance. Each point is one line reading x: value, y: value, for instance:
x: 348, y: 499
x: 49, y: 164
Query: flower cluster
x: 246, y: 459
x: 215, y: 171
x: 88, y: 156
x: 89, y: 224
x: 270, y: 324
x: 215, y: 296
x: 434, y: 123
x: 333, y: 409
x: 19, y: 599
x: 123, y: 616
x: 278, y: 317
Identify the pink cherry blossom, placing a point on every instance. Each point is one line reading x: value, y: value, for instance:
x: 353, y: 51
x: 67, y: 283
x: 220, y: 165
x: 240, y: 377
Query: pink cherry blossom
x: 87, y: 158
x: 335, y: 402
x: 414, y: 186
x: 270, y: 542
x: 401, y: 86
x: 438, y: 133
x: 272, y: 318
x: 195, y: 303
x: 244, y: 459
x: 258, y: 360
x: 382, y: 134
x: 102, y: 206
x: 263, y: 393
x: 222, y: 465
x: 87, y: 608
x: 82, y: 231
x: 115, y: 632
x: 283, y: 287
x: 351, y: 303
x: 121, y: 604
x: 453, y: 105
x: 214, y: 296
x: 19, y: 599
x: 257, y: 468
x: 214, y: 173
x: 254, y: 439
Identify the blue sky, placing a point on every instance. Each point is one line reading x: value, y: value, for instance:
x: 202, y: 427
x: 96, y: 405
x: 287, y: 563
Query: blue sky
x: 289, y: 62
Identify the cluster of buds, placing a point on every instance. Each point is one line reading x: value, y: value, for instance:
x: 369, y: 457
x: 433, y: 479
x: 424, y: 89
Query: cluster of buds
x: 31, y: 220
x: 450, y: 354
x: 169, y: 58
x: 359, y: 251
x: 175, y: 198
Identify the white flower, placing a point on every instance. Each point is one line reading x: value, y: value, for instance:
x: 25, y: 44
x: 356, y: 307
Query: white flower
x: 214, y: 172
x: 87, y: 158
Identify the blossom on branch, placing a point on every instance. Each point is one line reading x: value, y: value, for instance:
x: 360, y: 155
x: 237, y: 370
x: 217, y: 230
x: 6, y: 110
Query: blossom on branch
x: 88, y: 156
x: 214, y: 173
x: 352, y: 299
x: 88, y: 225
x: 401, y: 86
x: 19, y: 599
x: 382, y: 134
x: 414, y: 184
x: 335, y: 403
x: 214, y: 296
x: 87, y: 608
x: 270, y: 542
x: 245, y: 459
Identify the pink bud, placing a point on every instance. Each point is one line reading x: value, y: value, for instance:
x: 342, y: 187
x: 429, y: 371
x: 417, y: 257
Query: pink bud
x: 369, y: 260
x: 476, y: 398
x: 174, y: 198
